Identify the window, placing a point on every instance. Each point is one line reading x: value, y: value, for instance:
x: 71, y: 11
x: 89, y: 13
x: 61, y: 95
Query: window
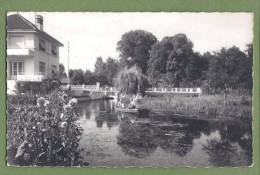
x: 42, y: 45
x: 54, y: 50
x: 42, y: 68
x: 17, y: 68
x: 16, y: 42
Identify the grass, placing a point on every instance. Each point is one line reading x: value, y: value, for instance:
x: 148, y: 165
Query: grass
x: 206, y: 105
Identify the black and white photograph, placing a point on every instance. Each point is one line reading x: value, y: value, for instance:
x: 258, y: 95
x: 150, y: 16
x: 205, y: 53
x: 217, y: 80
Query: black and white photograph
x: 129, y: 89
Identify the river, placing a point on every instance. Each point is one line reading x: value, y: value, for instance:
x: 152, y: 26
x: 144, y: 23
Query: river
x: 120, y: 140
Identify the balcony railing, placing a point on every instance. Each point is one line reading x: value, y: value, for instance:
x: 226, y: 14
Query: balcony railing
x: 20, y: 52
x: 38, y: 76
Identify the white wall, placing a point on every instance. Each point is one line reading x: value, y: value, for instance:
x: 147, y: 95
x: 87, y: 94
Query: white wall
x: 48, y: 59
x: 28, y: 38
x: 48, y: 44
x: 28, y: 65
x: 31, y: 65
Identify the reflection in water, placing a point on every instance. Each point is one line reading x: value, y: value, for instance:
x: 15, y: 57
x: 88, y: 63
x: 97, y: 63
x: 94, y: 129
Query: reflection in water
x: 136, y: 139
x: 114, y: 139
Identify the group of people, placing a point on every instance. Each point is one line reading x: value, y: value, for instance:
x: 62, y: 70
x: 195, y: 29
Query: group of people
x: 133, y: 102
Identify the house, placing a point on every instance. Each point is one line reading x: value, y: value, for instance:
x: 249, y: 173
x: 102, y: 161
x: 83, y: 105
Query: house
x: 32, y: 54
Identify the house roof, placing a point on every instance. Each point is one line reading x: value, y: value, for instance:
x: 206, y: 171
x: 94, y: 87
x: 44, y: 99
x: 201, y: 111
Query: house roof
x: 16, y: 22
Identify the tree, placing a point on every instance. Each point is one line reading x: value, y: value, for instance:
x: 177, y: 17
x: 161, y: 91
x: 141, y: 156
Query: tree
x: 76, y: 76
x: 111, y: 70
x: 195, y: 69
x: 62, y: 73
x: 134, y: 48
x: 100, y: 71
x: 131, y: 81
x: 248, y: 78
x: 227, y: 69
x: 89, y: 77
x: 105, y: 72
x: 168, y: 61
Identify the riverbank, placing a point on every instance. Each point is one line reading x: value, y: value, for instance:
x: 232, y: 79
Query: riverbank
x: 205, y: 105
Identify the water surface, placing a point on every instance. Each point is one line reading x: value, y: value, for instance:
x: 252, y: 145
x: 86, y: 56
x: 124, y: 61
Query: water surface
x: 116, y: 139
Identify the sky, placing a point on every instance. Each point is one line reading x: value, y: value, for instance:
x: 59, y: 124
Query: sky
x: 94, y: 34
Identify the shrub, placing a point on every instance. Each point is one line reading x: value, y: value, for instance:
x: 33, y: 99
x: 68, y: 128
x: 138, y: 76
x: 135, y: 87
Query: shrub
x: 26, y: 87
x: 22, y: 99
x: 43, y: 87
x: 43, y: 133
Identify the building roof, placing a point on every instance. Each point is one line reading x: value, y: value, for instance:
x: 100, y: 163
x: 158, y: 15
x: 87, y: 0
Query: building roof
x: 16, y: 22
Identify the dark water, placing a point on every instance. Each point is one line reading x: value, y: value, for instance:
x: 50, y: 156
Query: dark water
x: 114, y: 139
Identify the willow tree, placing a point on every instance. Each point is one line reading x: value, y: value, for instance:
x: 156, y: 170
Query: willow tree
x: 131, y: 81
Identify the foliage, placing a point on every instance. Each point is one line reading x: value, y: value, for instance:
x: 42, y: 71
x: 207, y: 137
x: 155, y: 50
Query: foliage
x: 62, y: 73
x: 105, y: 72
x: 43, y: 134
x: 111, y: 70
x: 25, y: 87
x: 100, y: 71
x: 168, y: 61
x: 89, y: 77
x: 195, y: 70
x: 134, y: 48
x: 131, y: 81
x: 49, y: 84
x: 76, y: 76
x: 22, y: 99
x: 45, y: 86
x: 228, y: 69
x: 209, y: 105
x: 248, y: 77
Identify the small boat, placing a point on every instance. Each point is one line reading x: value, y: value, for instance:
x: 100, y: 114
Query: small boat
x: 126, y: 110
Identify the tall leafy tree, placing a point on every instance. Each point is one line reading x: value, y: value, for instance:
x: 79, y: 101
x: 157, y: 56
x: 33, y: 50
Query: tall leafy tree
x: 89, y: 77
x: 105, y: 72
x: 111, y: 70
x: 62, y: 73
x: 77, y: 76
x: 134, y: 48
x: 100, y: 71
x: 248, y: 76
x: 194, y: 70
x: 168, y: 60
x: 227, y: 69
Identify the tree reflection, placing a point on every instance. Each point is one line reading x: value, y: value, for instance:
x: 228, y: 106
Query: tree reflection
x: 140, y: 139
x: 222, y: 151
x: 108, y: 118
x: 176, y: 138
x: 136, y: 139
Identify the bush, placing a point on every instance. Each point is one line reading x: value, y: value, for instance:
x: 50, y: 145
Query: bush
x: 44, y: 132
x: 43, y: 87
x: 22, y: 99
x: 26, y: 87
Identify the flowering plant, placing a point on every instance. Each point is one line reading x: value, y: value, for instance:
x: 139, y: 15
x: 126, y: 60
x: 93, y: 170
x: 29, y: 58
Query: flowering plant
x: 44, y: 133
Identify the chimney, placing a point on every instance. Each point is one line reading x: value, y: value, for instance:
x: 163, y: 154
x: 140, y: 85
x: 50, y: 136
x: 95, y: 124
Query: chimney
x: 39, y: 22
